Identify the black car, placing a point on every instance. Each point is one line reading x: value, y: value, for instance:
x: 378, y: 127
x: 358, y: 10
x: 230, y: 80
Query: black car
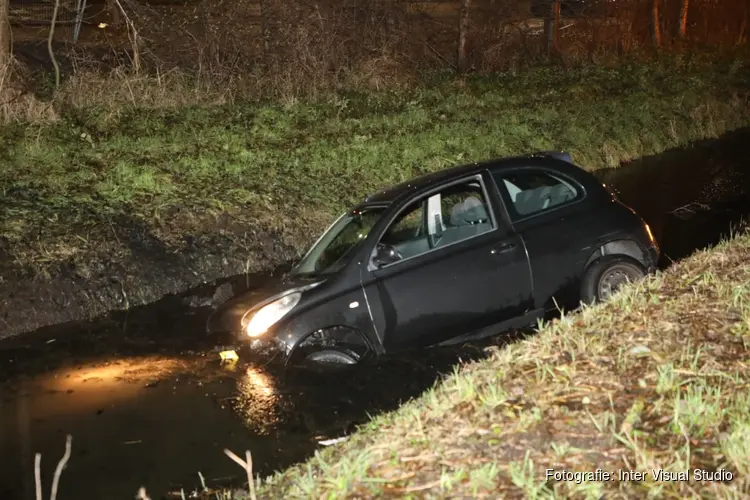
x: 451, y: 256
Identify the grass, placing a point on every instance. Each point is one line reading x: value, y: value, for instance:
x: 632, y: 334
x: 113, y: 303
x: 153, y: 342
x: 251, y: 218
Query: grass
x: 67, y: 187
x: 657, y: 378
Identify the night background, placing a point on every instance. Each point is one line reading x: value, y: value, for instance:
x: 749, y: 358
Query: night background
x: 158, y: 157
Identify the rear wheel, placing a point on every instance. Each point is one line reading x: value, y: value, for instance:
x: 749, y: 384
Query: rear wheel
x: 605, y: 276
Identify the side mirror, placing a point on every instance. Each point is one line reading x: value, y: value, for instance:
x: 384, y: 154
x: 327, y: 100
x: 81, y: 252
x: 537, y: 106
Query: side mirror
x: 386, y: 254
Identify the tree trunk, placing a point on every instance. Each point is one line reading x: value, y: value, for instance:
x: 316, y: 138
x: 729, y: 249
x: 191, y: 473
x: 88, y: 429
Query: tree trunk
x: 552, y: 27
x: 264, y: 30
x: 114, y: 12
x: 463, y: 28
x: 656, y: 23
x: 555, y: 32
x: 4, y: 34
x: 683, y: 18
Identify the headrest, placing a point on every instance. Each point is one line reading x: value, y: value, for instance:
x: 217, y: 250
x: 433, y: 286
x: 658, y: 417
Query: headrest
x: 471, y: 210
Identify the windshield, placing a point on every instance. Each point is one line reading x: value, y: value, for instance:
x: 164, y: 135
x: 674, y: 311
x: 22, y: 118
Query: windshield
x: 334, y: 248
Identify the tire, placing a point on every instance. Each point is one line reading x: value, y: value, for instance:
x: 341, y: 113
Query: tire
x: 330, y: 357
x: 606, y: 275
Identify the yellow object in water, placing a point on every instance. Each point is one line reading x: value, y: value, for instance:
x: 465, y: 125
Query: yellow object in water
x: 229, y: 355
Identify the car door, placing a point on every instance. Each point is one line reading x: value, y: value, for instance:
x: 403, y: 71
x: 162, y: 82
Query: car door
x: 459, y: 270
x: 558, y: 227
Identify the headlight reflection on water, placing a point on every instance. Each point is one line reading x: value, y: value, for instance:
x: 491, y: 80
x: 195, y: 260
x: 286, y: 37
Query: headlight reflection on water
x: 89, y: 387
x: 257, y: 400
x: 259, y: 380
x: 113, y: 372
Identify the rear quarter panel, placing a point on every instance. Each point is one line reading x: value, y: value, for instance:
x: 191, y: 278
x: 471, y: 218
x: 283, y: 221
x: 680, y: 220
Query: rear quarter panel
x: 562, y: 244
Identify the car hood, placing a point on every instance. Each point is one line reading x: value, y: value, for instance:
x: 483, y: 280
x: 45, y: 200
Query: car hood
x: 227, y: 317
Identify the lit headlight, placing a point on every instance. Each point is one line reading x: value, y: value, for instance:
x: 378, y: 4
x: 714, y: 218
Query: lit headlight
x: 269, y: 314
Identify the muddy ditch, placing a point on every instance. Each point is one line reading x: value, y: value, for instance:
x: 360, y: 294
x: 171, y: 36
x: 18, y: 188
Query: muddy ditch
x: 684, y: 194
x: 147, y: 401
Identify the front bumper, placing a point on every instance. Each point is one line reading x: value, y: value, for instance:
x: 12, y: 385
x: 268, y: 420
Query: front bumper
x: 263, y: 348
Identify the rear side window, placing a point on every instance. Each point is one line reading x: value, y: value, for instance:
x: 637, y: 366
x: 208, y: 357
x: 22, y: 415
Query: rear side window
x: 533, y: 192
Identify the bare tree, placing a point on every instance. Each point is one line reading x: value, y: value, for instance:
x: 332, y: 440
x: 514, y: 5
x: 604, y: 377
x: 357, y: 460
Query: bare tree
x: 554, y: 29
x: 4, y: 34
x: 683, y: 18
x: 656, y: 22
x: 463, y: 28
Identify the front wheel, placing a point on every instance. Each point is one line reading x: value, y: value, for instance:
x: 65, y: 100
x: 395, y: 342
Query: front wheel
x: 605, y: 276
x: 325, y: 360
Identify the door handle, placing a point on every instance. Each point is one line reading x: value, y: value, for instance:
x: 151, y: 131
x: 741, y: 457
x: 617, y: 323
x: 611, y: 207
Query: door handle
x: 504, y: 247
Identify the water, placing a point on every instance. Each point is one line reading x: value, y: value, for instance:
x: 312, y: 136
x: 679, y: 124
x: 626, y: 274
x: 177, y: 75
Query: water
x: 148, y: 402
x: 153, y: 405
x: 692, y: 197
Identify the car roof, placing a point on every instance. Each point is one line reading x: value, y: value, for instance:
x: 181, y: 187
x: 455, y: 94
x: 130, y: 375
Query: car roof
x: 391, y: 194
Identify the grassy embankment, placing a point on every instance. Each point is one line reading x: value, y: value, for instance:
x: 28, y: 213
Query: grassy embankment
x: 67, y: 187
x: 657, y: 378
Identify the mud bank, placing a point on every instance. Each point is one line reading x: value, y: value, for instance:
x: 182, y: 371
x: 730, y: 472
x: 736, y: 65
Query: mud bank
x: 136, y: 268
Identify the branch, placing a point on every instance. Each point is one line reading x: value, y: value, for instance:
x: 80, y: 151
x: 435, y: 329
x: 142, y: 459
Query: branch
x: 246, y: 464
x: 49, y: 46
x: 142, y: 495
x: 60, y: 465
x: 38, y: 475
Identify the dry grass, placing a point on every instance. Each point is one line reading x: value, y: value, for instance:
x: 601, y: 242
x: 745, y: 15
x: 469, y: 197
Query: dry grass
x: 657, y: 378
x: 17, y: 103
x: 120, y: 89
x: 226, y: 51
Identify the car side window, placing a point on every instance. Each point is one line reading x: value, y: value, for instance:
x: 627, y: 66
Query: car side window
x: 456, y: 213
x: 532, y: 192
x: 407, y: 233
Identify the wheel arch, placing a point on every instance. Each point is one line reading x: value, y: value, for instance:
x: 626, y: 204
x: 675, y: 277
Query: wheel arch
x: 347, y: 340
x: 621, y: 247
